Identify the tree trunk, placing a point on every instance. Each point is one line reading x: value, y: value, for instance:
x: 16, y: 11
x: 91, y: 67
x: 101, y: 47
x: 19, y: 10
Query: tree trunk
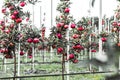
x: 63, y: 66
x: 14, y: 65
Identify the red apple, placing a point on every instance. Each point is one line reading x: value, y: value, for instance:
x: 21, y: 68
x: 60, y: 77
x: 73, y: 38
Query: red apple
x: 104, y: 39
x: 11, y: 26
x: 22, y: 53
x: 75, y: 36
x: 66, y: 26
x: 93, y: 50
x: 58, y: 25
x: 18, y: 20
x: 35, y: 40
x: 73, y: 25
x: 67, y: 10
x: 118, y: 44
x: 7, y: 31
x: 118, y: 24
x: 80, y: 28
x: 27, y: 19
x: 15, y: 12
x: 13, y: 17
x: 22, y: 4
x: 3, y: 10
x: 114, y: 24
x: 75, y: 61
x: 11, y: 7
x: 30, y: 56
x: 29, y: 40
x: 71, y: 56
x: 59, y: 35
x: 60, y: 49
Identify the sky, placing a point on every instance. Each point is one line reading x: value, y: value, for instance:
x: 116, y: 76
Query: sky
x: 79, y: 8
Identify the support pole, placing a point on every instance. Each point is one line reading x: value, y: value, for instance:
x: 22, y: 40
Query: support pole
x: 33, y: 47
x: 100, y: 28
x: 68, y: 48
x: 18, y: 55
x: 51, y: 50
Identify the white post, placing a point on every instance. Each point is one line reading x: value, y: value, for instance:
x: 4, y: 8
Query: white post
x: 33, y: 55
x: 100, y: 28
x: 90, y: 56
x: 5, y: 65
x: 18, y: 55
x: 68, y: 48
x: 108, y: 26
x: 51, y: 50
x: 33, y: 51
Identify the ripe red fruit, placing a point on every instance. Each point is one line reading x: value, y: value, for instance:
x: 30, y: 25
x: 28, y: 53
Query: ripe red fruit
x: 65, y: 26
x: 73, y: 25
x: 27, y: 19
x: 75, y: 61
x: 22, y: 53
x: 60, y: 49
x: 35, y: 40
x: 18, y: 20
x: 80, y: 28
x: 11, y: 26
x: 4, y: 10
x: 59, y: 35
x: 75, y: 36
x: 58, y: 25
x: 114, y: 24
x: 7, y: 31
x: 67, y: 10
x: 13, y: 17
x: 15, y: 12
x: 118, y: 24
x: 30, y: 56
x: 71, y: 56
x: 93, y: 50
x: 22, y: 4
x: 118, y: 44
x: 30, y: 40
x: 104, y: 39
x: 11, y: 7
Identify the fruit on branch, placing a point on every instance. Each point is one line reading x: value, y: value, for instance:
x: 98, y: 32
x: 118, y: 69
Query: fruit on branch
x: 7, y: 31
x: 104, y: 39
x: 30, y: 56
x: 75, y: 61
x: 114, y: 24
x: 67, y: 10
x: 60, y: 50
x: 58, y: 25
x: 75, y: 36
x: 22, y: 53
x: 73, y: 25
x: 118, y: 44
x: 80, y: 28
x: 93, y: 50
x: 118, y: 24
x: 59, y: 36
x: 11, y: 7
x: 71, y: 56
x: 66, y: 26
x: 36, y: 40
x: 29, y: 40
x: 15, y: 12
x: 18, y: 20
x: 3, y: 10
x: 13, y: 17
x: 22, y: 4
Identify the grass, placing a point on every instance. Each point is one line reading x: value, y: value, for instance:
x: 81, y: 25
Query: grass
x: 52, y: 68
